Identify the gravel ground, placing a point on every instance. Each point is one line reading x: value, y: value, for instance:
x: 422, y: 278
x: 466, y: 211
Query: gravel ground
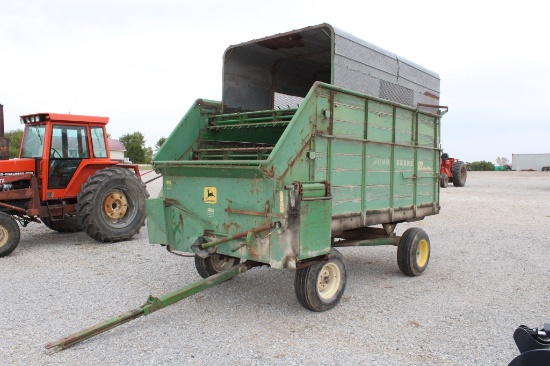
x: 488, y: 273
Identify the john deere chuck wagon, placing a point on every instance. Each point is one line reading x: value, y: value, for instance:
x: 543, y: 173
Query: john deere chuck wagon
x: 321, y: 140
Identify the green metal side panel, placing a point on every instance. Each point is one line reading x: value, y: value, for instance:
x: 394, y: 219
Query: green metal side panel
x: 316, y: 217
x: 404, y: 126
x: 377, y: 156
x: 219, y: 205
x: 156, y: 221
x: 380, y: 155
x: 380, y: 118
x: 346, y: 175
x: 377, y: 177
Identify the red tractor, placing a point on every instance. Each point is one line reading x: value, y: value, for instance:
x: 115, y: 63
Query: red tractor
x: 452, y: 169
x: 64, y: 177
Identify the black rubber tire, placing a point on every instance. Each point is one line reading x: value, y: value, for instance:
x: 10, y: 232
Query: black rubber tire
x: 111, y: 205
x: 320, y: 287
x: 214, y: 264
x: 9, y: 234
x: 413, y: 252
x: 443, y: 180
x: 67, y: 225
x: 459, y: 173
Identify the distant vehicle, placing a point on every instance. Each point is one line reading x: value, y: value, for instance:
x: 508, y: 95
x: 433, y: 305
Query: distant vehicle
x: 452, y: 169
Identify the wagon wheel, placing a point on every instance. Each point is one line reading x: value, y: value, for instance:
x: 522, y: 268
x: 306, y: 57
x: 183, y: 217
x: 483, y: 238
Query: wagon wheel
x: 413, y: 252
x: 459, y: 173
x: 443, y: 180
x: 320, y: 287
x: 9, y: 234
x: 214, y: 264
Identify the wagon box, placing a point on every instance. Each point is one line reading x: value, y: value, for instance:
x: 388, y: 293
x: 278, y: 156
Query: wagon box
x: 321, y: 140
x: 319, y: 137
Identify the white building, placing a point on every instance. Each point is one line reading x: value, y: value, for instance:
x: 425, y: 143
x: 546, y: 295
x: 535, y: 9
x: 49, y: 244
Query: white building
x: 530, y: 161
x: 117, y: 150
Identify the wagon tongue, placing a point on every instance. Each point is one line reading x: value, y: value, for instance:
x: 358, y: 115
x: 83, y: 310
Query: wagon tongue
x: 152, y: 304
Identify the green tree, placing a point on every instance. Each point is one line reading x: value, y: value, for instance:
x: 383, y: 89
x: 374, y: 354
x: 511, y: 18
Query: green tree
x: 160, y: 142
x: 502, y: 161
x: 15, y: 136
x: 148, y: 155
x: 135, y: 147
x: 480, y: 166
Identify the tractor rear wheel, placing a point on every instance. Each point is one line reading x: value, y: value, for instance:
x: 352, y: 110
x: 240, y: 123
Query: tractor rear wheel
x: 459, y: 173
x: 320, y: 287
x: 111, y: 205
x: 66, y: 225
x: 413, y: 252
x: 443, y: 180
x: 9, y: 234
x: 214, y: 264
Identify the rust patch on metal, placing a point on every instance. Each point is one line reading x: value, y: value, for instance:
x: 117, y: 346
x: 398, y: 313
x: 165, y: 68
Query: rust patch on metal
x: 227, y: 227
x: 289, y: 41
x: 428, y: 94
x: 246, y: 212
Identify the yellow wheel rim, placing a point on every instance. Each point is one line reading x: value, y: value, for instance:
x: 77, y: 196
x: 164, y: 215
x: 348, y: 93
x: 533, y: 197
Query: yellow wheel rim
x: 4, y: 236
x: 328, y: 281
x: 115, y: 205
x: 422, y: 253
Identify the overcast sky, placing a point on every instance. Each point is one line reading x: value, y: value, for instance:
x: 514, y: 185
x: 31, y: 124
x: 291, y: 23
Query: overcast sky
x: 143, y: 63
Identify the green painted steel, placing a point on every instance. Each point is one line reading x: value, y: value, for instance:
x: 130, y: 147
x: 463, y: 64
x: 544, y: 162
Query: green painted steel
x: 342, y: 160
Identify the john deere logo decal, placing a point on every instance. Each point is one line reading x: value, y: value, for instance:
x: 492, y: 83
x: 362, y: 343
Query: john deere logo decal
x: 210, y: 195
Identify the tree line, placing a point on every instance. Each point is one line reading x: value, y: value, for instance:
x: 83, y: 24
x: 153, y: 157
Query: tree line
x: 487, y: 165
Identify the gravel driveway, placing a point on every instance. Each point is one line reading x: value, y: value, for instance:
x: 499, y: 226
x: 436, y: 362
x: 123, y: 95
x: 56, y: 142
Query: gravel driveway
x: 488, y: 273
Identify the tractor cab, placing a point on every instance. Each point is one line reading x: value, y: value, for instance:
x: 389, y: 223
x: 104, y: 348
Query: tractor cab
x: 61, y: 145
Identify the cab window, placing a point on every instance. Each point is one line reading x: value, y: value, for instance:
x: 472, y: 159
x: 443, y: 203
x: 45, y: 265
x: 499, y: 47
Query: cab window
x: 98, y: 142
x: 33, y: 142
x: 69, y: 142
x: 69, y: 145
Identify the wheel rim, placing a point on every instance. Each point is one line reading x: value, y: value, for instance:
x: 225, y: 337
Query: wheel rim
x: 221, y: 262
x: 422, y: 252
x: 115, y: 205
x: 119, y: 208
x: 328, y: 281
x: 4, y: 236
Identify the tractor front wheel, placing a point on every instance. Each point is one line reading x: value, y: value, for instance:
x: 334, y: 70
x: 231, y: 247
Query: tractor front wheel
x: 413, y: 252
x: 459, y: 173
x: 320, y: 287
x: 111, y: 205
x: 443, y: 180
x: 9, y: 234
x: 214, y: 264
